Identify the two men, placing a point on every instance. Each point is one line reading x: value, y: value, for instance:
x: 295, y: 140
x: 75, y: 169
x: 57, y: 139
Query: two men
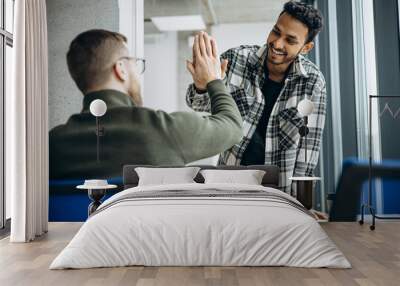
x: 267, y: 83
x: 101, y: 67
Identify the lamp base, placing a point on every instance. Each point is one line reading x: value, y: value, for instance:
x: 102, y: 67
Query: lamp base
x: 95, y: 195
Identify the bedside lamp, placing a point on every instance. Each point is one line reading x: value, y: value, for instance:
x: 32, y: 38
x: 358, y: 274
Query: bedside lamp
x: 304, y: 185
x: 98, y: 108
x: 96, y: 188
x: 305, y: 108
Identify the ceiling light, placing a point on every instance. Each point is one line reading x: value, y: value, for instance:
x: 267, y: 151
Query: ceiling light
x: 179, y: 23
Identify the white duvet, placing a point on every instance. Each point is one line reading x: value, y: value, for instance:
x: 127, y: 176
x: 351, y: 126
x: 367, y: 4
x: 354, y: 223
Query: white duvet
x: 204, y: 231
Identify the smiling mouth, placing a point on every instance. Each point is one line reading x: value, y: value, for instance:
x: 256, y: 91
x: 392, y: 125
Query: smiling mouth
x: 275, y: 52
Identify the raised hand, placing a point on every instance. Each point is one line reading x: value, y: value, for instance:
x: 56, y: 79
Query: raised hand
x: 206, y: 65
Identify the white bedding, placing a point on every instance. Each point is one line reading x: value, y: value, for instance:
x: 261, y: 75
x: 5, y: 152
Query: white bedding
x: 183, y: 231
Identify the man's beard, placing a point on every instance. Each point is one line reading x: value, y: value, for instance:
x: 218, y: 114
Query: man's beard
x: 134, y: 93
x: 134, y: 89
x: 284, y: 61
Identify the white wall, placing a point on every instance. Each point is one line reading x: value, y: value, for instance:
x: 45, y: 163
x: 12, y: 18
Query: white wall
x: 161, y: 75
x: 233, y: 35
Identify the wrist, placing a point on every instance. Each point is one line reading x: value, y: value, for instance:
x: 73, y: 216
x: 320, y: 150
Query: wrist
x: 211, y: 79
x: 200, y: 89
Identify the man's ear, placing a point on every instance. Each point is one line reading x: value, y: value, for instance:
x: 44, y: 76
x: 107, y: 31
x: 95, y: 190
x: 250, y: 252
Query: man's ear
x: 120, y: 71
x: 307, y: 48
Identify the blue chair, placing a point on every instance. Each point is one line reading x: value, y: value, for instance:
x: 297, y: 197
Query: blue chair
x: 353, y: 186
x: 66, y: 203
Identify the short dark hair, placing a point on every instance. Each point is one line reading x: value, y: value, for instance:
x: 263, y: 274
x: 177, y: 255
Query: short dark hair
x: 91, y: 56
x: 307, y: 14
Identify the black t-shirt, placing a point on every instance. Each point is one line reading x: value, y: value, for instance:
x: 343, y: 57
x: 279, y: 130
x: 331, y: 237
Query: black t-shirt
x: 255, y: 151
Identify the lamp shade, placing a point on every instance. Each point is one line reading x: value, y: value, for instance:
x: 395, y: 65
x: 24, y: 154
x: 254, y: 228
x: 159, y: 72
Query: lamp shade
x: 305, y: 107
x: 98, y: 107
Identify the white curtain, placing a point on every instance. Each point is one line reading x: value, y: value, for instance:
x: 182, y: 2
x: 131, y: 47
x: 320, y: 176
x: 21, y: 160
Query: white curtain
x: 26, y: 123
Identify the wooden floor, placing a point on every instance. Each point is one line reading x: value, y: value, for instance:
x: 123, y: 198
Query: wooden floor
x: 375, y: 257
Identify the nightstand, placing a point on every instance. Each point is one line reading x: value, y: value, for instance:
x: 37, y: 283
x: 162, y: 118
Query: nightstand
x: 305, y: 190
x: 96, y: 191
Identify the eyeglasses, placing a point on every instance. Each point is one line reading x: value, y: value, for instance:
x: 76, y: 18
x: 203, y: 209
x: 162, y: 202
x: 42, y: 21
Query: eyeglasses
x: 140, y: 63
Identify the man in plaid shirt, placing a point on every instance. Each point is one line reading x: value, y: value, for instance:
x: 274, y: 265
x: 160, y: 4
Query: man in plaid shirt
x: 267, y: 83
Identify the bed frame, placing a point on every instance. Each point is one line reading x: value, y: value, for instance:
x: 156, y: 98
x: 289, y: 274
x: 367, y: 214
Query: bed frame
x: 270, y: 179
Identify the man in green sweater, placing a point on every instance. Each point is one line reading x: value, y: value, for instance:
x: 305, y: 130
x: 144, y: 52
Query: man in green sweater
x: 100, y: 65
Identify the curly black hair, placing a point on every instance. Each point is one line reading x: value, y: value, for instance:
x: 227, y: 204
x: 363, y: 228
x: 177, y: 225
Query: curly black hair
x: 306, y: 14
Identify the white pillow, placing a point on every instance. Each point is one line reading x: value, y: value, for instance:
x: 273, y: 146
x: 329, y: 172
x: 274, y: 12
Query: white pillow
x: 248, y: 177
x: 165, y: 176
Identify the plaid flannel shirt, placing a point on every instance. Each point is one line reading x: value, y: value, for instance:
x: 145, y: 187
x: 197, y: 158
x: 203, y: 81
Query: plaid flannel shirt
x: 283, y: 147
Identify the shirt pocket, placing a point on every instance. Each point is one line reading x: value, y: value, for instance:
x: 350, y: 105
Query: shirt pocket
x: 289, y: 124
x: 240, y: 96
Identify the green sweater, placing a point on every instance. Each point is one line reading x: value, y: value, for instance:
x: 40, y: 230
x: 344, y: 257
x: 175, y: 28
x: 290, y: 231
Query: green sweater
x: 138, y: 135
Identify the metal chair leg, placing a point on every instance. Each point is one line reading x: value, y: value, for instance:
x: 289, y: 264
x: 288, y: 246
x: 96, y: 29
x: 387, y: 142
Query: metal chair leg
x: 372, y: 211
x: 361, y: 221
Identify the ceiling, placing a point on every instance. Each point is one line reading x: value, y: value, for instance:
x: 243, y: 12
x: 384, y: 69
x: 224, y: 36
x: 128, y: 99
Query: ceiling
x: 214, y: 11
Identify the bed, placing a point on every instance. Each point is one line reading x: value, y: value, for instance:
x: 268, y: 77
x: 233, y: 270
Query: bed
x: 201, y: 224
